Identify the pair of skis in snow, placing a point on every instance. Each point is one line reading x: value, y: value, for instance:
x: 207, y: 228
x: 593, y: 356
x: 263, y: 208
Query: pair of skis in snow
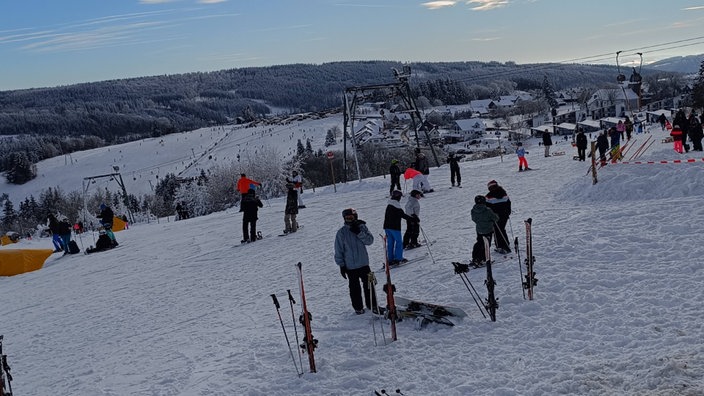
x: 528, y: 281
x: 309, y: 343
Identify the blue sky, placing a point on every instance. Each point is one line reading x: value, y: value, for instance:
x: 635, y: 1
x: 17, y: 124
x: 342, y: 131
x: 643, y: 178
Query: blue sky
x: 49, y: 43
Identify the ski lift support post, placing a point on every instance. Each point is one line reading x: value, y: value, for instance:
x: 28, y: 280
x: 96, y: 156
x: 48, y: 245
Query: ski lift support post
x: 353, y: 95
x: 115, y: 176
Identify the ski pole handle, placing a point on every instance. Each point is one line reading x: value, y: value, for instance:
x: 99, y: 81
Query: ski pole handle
x: 290, y: 297
x: 276, y: 301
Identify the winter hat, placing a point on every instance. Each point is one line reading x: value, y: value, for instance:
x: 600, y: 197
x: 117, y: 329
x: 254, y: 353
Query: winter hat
x: 492, y: 184
x: 394, y: 161
x: 396, y: 195
x: 416, y: 193
x: 349, y: 212
x: 519, y: 144
x: 102, y: 206
x: 480, y: 200
x: 251, y: 191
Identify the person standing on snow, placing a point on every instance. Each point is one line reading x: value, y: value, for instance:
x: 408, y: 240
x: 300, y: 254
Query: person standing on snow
x: 291, y: 210
x: 498, y: 201
x: 547, y: 142
x: 395, y: 173
x: 454, y: 160
x: 581, y: 141
x: 297, y: 182
x: 250, y: 205
x: 602, y: 143
x: 484, y: 219
x: 410, y: 237
x: 522, y: 161
x: 392, y: 227
x: 351, y: 256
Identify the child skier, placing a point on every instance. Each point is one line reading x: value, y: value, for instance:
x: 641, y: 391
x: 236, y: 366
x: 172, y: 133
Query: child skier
x: 410, y: 237
x: 522, y: 161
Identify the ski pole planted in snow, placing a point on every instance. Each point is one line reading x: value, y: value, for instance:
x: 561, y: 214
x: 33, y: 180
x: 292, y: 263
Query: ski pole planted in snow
x: 291, y: 301
x: 520, y: 265
x: 278, y: 312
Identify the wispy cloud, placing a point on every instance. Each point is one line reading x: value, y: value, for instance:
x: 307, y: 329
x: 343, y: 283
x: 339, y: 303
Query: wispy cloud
x: 108, y: 31
x: 486, y: 39
x: 434, y: 5
x: 693, y: 8
x: 486, y: 5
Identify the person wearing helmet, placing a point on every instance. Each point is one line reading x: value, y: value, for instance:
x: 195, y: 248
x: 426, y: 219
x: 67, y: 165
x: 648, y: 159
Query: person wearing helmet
x: 351, y: 256
x: 410, y: 237
x: 498, y: 201
x: 392, y: 227
x: 484, y: 219
x: 395, y: 173
x: 103, y: 243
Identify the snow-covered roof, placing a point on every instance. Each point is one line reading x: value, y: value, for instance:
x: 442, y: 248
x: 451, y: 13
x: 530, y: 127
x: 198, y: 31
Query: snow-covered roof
x: 470, y: 124
x: 590, y: 123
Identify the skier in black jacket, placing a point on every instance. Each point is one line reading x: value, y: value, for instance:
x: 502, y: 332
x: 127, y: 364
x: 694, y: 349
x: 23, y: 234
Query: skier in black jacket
x: 250, y: 205
x: 395, y: 173
x: 581, y: 141
x: 454, y: 160
x: 498, y: 201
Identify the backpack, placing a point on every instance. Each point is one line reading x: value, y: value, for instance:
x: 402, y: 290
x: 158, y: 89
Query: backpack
x: 73, y: 247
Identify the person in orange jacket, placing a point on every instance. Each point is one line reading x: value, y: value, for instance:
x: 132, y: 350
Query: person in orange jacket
x: 244, y: 184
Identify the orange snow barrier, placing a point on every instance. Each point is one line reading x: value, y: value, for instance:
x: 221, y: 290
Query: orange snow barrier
x: 118, y: 224
x: 6, y: 240
x: 19, y: 261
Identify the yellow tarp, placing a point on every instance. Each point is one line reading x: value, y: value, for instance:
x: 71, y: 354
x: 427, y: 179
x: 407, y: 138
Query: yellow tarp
x: 19, y: 261
x: 118, y: 224
x: 5, y: 240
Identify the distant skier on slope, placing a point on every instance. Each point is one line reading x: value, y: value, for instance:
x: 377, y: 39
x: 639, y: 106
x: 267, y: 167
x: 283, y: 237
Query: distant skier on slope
x: 351, y: 256
x: 454, y: 160
x: 522, y: 161
x: 291, y: 210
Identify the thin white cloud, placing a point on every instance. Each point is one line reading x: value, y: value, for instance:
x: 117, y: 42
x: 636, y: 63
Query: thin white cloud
x: 486, y: 5
x: 693, y: 8
x: 434, y: 5
x: 486, y: 39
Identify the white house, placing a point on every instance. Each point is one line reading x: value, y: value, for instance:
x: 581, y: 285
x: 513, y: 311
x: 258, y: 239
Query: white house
x: 612, y: 102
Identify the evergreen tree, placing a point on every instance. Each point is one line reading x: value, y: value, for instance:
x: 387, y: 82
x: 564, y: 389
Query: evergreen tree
x: 697, y: 94
x: 330, y: 137
x: 549, y: 93
x: 9, y: 216
x: 21, y: 169
x: 309, y: 148
x: 300, y: 150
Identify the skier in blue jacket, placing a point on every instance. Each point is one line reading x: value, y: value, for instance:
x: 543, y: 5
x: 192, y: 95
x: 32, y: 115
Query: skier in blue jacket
x: 351, y: 255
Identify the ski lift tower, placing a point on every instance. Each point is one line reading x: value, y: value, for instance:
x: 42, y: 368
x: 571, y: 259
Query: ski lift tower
x: 633, y: 83
x: 400, y: 89
x: 113, y: 176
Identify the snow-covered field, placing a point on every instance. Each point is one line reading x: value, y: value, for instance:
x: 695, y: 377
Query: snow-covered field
x: 180, y: 308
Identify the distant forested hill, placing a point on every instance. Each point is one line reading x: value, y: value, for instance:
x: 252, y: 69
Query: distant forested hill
x: 52, y: 121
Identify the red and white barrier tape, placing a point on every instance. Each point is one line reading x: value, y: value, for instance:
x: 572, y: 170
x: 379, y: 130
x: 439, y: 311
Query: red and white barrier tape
x: 684, y: 161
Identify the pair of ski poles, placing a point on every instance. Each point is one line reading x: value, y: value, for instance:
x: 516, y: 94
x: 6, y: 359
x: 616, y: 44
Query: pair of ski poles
x: 295, y: 329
